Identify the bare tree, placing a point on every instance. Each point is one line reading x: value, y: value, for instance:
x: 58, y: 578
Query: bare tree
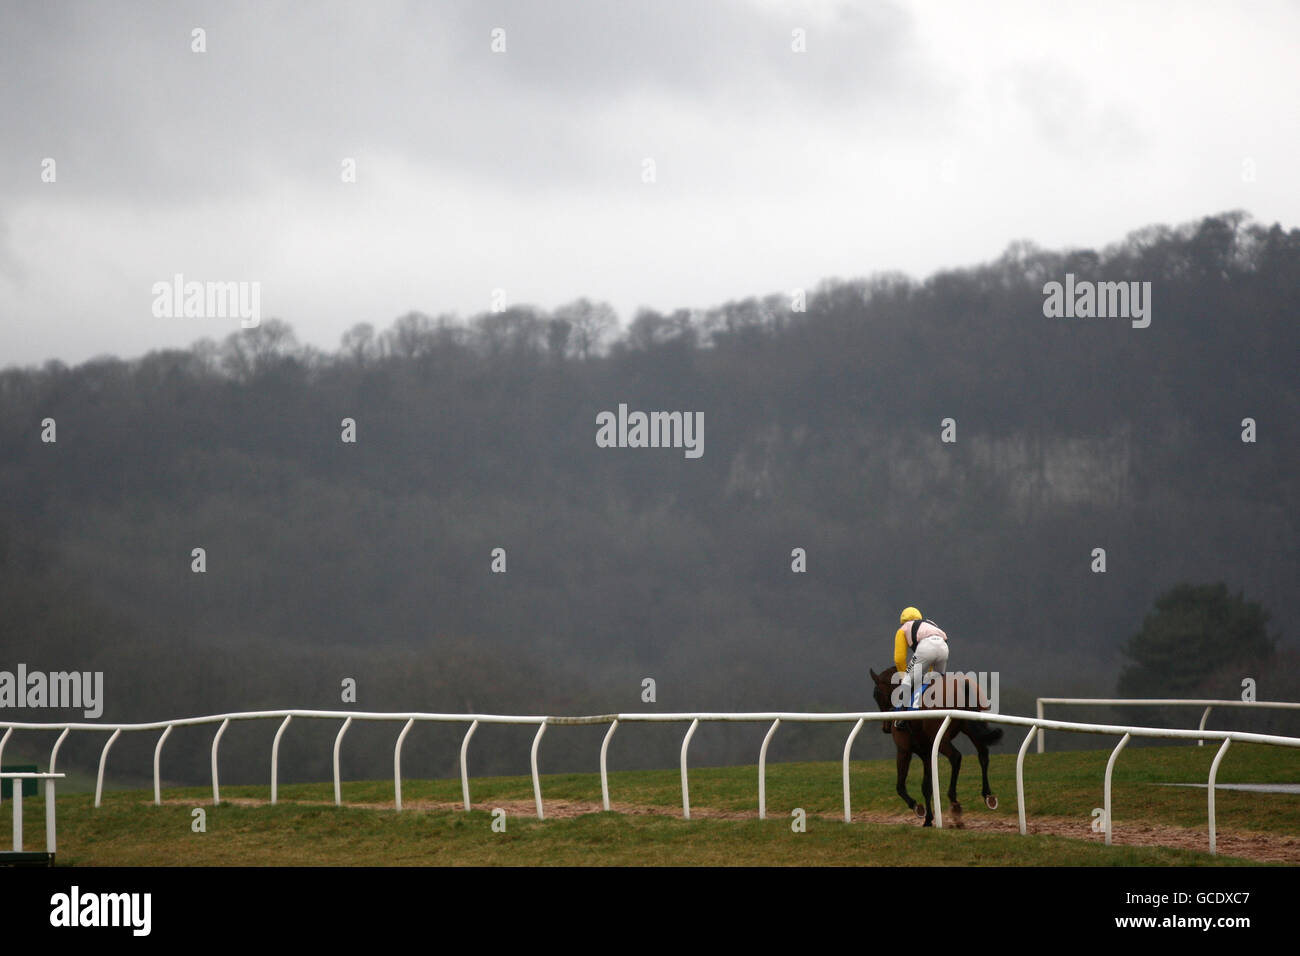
x: 358, y: 343
x: 410, y: 336
x: 249, y: 352
x: 591, y: 322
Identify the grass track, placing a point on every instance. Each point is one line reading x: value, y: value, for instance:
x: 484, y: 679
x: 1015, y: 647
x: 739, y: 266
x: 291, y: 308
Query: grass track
x: 129, y: 830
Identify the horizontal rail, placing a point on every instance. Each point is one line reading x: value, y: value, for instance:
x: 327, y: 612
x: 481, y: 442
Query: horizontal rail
x: 31, y: 775
x: 1172, y: 702
x: 754, y: 717
x: 1201, y: 736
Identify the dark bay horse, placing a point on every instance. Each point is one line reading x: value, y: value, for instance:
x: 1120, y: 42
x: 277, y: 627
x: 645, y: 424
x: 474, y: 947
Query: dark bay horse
x: 919, y: 738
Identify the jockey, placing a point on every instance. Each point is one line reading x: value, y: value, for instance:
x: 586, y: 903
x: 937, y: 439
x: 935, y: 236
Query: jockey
x: 929, y: 647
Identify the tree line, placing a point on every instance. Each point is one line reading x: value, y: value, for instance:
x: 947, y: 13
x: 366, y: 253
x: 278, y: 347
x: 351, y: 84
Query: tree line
x: 327, y: 559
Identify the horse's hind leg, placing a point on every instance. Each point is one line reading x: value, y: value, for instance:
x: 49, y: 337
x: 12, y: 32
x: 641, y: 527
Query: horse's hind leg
x: 928, y: 786
x: 986, y: 791
x: 905, y: 761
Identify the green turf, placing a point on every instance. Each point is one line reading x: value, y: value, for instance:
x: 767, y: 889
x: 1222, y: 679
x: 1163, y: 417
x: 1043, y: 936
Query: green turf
x: 129, y: 830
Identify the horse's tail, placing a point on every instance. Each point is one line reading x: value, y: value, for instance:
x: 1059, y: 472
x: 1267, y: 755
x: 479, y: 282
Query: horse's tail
x: 983, y: 733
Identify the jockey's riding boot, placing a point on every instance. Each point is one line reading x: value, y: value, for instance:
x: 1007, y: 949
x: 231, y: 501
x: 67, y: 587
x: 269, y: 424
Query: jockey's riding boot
x: 904, y: 725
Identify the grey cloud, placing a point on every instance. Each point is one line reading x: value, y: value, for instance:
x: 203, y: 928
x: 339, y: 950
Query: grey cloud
x: 1065, y: 116
x: 115, y: 95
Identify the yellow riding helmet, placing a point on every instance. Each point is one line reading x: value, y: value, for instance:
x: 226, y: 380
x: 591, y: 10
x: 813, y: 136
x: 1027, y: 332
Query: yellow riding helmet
x: 909, y: 614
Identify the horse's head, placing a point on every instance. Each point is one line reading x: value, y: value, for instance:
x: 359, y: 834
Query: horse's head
x: 884, y: 688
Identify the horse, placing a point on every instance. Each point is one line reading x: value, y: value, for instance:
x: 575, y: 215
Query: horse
x: 920, y: 737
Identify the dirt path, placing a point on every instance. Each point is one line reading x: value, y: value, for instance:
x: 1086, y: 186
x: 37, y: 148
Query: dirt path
x: 1262, y: 847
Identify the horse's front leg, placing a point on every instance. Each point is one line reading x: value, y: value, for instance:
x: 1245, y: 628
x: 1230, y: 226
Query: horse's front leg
x: 927, y: 785
x: 954, y: 759
x: 990, y: 800
x: 904, y: 762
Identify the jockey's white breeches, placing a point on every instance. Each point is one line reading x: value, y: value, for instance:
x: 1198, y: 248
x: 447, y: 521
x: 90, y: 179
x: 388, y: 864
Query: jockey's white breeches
x: 930, y: 654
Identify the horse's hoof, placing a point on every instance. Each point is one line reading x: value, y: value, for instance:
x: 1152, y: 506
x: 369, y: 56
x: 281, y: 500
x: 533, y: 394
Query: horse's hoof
x: 928, y: 823
x: 919, y: 811
x: 991, y: 802
x: 956, y: 808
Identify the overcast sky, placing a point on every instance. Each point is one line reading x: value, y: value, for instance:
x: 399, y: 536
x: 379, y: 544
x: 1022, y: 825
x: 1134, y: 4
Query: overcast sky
x: 909, y: 136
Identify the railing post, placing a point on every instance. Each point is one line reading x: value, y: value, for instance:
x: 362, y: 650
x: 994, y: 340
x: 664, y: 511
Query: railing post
x: 17, y: 801
x: 934, y: 772
x: 157, y: 767
x: 1110, y: 766
x: 1204, y: 717
x: 537, y: 780
x: 275, y: 758
x: 216, y: 742
x: 686, y: 791
x: 1214, y: 773
x: 604, y: 775
x: 338, y: 782
x: 464, y: 769
x: 49, y: 815
x: 1041, y: 747
x: 397, y: 765
x: 848, y: 746
x: 103, y: 759
x: 762, y: 770
x: 1020, y: 775
x: 54, y: 752
x: 4, y: 740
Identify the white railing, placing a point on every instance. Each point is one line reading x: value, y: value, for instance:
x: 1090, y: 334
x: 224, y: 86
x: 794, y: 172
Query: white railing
x: 1035, y: 725
x: 1209, y: 705
x: 18, y: 778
